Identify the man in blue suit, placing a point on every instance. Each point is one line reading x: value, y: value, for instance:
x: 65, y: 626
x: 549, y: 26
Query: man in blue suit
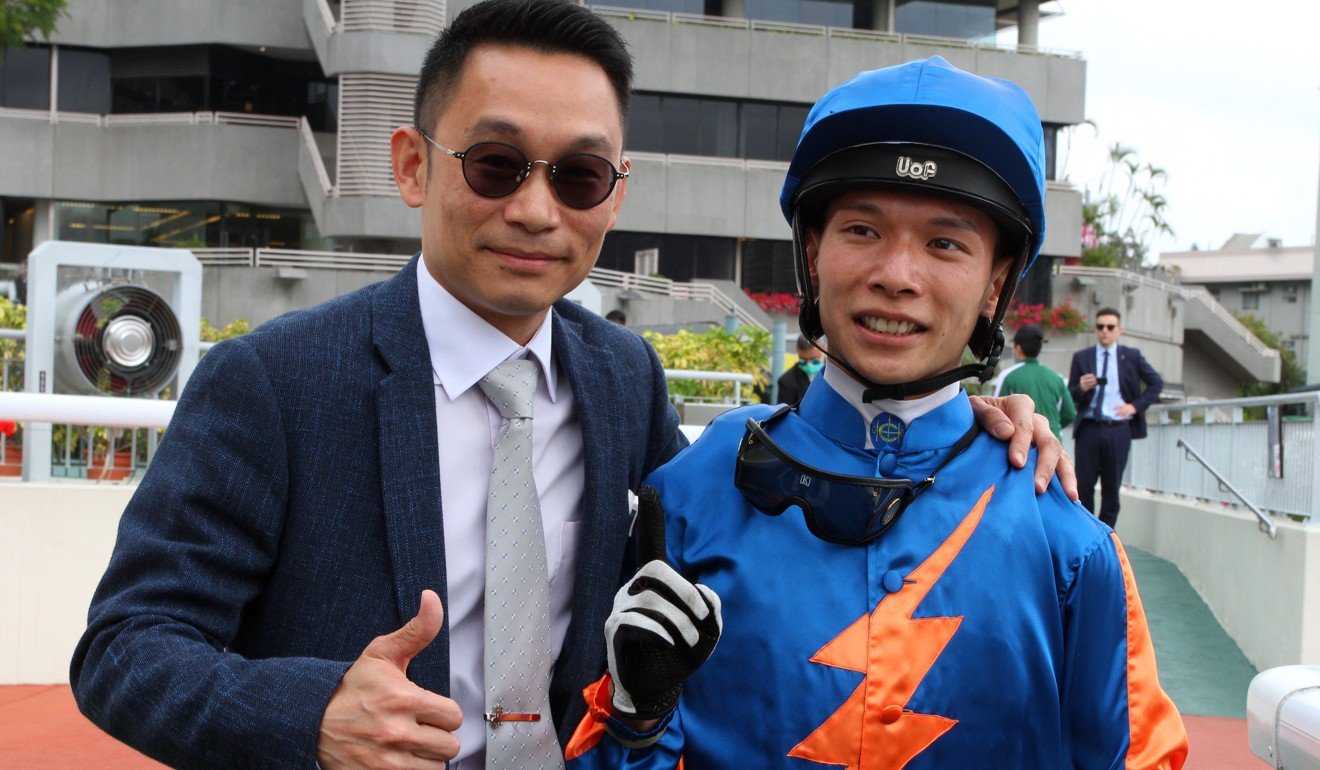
x: 1112, y: 386
x: 269, y: 602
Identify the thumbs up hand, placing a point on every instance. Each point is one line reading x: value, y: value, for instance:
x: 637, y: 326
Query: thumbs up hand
x: 376, y: 717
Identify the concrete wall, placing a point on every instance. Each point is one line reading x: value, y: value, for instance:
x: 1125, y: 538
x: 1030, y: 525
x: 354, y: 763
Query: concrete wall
x: 1204, y: 374
x: 258, y: 294
x: 769, y: 64
x: 253, y: 164
x: 55, y: 542
x: 1265, y: 593
x: 56, y: 539
x: 1152, y: 321
x: 123, y: 23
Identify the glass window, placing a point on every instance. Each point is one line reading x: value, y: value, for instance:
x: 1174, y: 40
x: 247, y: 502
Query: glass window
x: 180, y: 224
x: 682, y: 257
x: 25, y: 78
x: 696, y: 126
x: 767, y: 266
x: 1051, y: 150
x: 84, y: 81
x: 713, y: 127
x: 829, y: 13
x: 673, y: 6
x: 646, y: 131
x: 1250, y: 300
x: 966, y: 19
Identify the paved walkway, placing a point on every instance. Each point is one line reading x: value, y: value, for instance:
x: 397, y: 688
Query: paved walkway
x: 1200, y: 667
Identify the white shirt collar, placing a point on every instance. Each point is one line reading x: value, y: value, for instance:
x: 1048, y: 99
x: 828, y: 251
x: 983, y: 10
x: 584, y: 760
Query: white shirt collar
x: 906, y: 410
x: 1101, y: 348
x: 464, y: 347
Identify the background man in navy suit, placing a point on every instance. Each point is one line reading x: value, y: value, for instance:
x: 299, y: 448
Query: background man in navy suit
x: 1112, y: 385
x: 269, y: 602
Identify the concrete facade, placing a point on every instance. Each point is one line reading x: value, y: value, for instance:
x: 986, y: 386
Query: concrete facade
x: 1264, y: 592
x: 670, y: 194
x: 1272, y: 283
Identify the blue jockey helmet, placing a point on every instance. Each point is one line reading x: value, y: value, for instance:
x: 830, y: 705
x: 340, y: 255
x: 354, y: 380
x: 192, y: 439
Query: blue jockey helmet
x: 930, y: 128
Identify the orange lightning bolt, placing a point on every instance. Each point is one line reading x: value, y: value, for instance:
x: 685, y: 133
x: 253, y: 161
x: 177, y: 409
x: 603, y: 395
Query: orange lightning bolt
x: 873, y: 730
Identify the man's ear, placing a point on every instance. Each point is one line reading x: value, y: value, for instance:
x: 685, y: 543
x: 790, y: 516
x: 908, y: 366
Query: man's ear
x: 998, y: 277
x: 620, y: 192
x: 811, y: 246
x: 408, y: 156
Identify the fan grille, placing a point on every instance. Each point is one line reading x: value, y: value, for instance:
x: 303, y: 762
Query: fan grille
x: 127, y: 341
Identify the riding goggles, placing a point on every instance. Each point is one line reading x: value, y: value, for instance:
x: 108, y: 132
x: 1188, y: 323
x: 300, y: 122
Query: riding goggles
x: 838, y: 508
x: 495, y: 169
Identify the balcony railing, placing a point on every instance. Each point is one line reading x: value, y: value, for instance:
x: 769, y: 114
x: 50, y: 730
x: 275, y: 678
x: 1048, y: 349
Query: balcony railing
x: 816, y: 30
x: 1235, y: 442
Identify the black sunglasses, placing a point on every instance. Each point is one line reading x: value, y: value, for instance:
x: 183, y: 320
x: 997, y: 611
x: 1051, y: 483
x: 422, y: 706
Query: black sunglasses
x: 1105, y: 327
x: 496, y: 169
x: 838, y: 508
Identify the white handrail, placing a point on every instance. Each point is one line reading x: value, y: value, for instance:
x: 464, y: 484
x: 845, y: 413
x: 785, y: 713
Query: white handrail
x: 309, y: 142
x: 86, y: 410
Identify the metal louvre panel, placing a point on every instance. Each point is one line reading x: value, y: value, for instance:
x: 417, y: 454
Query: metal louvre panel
x: 420, y: 17
x: 371, y: 106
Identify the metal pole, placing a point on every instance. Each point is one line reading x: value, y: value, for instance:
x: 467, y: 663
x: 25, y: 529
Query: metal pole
x: 1313, y: 355
x: 731, y: 323
x: 778, y: 334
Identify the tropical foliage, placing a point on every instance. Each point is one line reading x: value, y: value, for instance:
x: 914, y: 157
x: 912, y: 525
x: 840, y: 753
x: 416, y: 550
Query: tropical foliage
x: 746, y: 352
x: 235, y: 328
x: 1292, y: 374
x: 21, y: 18
x: 1124, y: 214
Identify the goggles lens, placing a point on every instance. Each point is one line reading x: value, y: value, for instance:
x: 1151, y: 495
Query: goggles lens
x: 848, y: 510
x: 838, y: 508
x: 581, y: 180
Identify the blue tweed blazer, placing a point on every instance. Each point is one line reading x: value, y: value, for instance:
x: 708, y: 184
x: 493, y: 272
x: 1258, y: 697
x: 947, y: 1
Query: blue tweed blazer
x: 292, y: 513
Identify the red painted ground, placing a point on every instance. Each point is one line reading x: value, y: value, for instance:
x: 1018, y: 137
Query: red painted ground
x: 41, y: 729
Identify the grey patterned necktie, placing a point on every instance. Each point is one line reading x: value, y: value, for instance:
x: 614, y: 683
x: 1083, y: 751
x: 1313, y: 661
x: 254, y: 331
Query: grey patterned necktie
x: 519, y: 732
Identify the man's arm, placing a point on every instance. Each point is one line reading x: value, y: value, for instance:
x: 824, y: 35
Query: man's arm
x: 1115, y: 712
x: 1150, y: 378
x: 1075, y: 389
x: 195, y: 547
x: 1067, y: 411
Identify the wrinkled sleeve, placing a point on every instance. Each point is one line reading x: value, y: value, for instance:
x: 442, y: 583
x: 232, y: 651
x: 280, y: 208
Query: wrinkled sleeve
x: 196, y: 543
x: 1114, y: 710
x: 601, y: 742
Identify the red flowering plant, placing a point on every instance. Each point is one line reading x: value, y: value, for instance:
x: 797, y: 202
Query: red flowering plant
x: 1063, y: 318
x: 776, y: 301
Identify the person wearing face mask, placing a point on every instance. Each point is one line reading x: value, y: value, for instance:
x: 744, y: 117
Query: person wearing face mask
x: 811, y: 360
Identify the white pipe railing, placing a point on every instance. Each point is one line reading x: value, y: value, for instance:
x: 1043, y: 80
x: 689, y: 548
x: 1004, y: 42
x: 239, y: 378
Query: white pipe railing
x: 737, y: 378
x: 101, y: 411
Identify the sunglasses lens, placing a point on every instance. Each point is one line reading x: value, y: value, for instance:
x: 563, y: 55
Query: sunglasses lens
x: 493, y: 169
x: 583, y: 181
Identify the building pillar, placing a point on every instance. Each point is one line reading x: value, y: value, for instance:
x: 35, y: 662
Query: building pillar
x: 882, y: 15
x: 1313, y: 333
x: 43, y: 222
x: 1028, y: 23
x: 733, y: 9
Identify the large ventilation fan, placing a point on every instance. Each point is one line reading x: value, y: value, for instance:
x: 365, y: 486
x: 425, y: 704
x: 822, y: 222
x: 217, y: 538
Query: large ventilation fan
x: 119, y: 321
x: 117, y: 339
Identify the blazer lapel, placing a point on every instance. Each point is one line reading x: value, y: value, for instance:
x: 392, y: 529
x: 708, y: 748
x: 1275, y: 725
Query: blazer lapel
x: 410, y: 464
x: 605, y: 520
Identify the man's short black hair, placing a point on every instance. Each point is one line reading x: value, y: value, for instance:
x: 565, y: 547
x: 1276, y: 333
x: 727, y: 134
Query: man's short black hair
x: 617, y: 316
x: 1030, y: 347
x: 1108, y: 311
x: 547, y: 26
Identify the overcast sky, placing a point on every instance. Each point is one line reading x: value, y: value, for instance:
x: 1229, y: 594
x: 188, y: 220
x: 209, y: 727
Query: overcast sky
x: 1225, y: 96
